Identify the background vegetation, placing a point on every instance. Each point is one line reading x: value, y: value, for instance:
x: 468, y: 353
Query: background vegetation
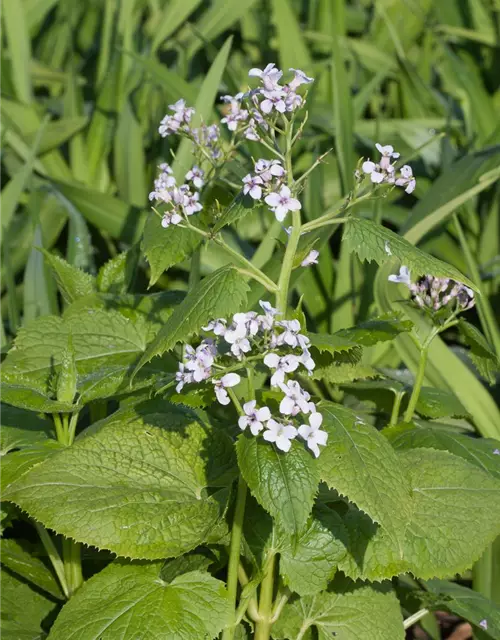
x: 85, y: 84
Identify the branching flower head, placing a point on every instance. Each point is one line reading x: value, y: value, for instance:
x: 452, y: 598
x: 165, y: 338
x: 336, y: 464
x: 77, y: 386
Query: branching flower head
x: 385, y: 172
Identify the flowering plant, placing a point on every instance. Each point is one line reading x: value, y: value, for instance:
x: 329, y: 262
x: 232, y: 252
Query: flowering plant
x: 240, y: 442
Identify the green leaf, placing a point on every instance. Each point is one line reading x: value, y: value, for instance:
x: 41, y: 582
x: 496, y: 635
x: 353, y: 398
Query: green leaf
x: 18, y: 42
x: 467, y: 604
x: 216, y: 296
x: 308, y: 561
x: 436, y: 403
x: 478, y: 451
x: 353, y: 613
x: 333, y: 343
x: 369, y: 240
x: 453, y: 518
x: 165, y: 247
x: 21, y: 428
x: 359, y: 463
x: 129, y: 157
x: 116, y: 275
x: 132, y: 600
x: 72, y: 282
x: 23, y: 610
x: 480, y: 353
x: 136, y: 485
x: 283, y: 483
x: 17, y: 463
x: 240, y: 207
x: 25, y: 392
x: 173, y: 15
x: 19, y: 558
x: 292, y: 48
x: 386, y: 327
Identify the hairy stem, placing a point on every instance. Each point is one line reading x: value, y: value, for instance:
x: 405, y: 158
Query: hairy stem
x: 234, y: 551
x: 54, y: 557
x: 263, y: 627
x: 418, y: 384
x: 395, y: 408
x: 72, y: 565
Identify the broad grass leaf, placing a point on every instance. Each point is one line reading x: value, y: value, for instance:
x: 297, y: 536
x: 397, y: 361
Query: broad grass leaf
x: 285, y: 484
x: 23, y: 610
x: 19, y: 48
x: 136, y: 484
x: 217, y: 296
x: 359, y: 612
x: 480, y: 452
x: 129, y: 158
x: 293, y: 51
x: 370, y: 241
x: 173, y: 16
x: 73, y: 283
x: 360, y: 464
x: 20, y: 559
x: 447, y: 495
x: 133, y: 600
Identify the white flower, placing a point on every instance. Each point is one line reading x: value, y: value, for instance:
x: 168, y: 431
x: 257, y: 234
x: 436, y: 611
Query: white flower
x: 199, y: 362
x: 191, y: 204
x: 170, y: 217
x: 387, y: 153
x: 311, y: 258
x: 217, y: 326
x: 296, y: 399
x: 266, y: 169
x: 407, y: 180
x: 291, y: 334
x: 282, y: 365
x: 220, y: 386
x: 253, y: 186
x: 387, y: 248
x: 299, y: 78
x: 183, y: 377
x: 254, y: 417
x: 280, y: 434
x: 281, y: 203
x: 312, y: 433
x: 403, y: 277
x: 238, y: 340
x: 267, y: 321
x: 196, y: 175
x: 273, y: 100
x: 307, y: 361
x: 270, y: 76
x: 248, y: 321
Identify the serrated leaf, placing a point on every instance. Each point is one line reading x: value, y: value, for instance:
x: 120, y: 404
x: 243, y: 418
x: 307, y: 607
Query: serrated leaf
x: 240, y: 207
x: 309, y: 561
x: 136, y: 485
x: 23, y: 610
x: 344, y: 372
x: 21, y: 428
x: 369, y: 240
x: 132, y: 600
x: 436, y: 403
x: 116, y: 275
x: 17, y: 463
x: 480, y: 353
x: 19, y: 558
x: 478, y: 451
x: 467, y: 604
x: 454, y: 508
x: 359, y: 463
x: 27, y: 393
x: 216, y: 296
x: 386, y: 327
x: 332, y: 343
x: 283, y: 483
x: 352, y: 614
x: 165, y: 247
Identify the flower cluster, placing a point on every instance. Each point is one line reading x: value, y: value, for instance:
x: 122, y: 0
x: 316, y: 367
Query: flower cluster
x: 283, y: 349
x: 434, y: 293
x: 385, y: 171
x: 267, y: 181
x: 182, y: 200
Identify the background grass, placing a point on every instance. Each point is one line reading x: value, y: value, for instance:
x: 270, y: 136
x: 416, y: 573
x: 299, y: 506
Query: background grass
x: 85, y: 84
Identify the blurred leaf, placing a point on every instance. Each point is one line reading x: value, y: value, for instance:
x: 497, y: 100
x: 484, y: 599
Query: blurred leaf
x: 16, y: 31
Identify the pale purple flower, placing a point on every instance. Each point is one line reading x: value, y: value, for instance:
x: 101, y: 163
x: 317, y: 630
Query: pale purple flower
x: 281, y: 203
x: 253, y: 186
x: 484, y: 624
x: 311, y: 258
x: 266, y: 321
x: 221, y: 384
x: 196, y: 175
x: 312, y: 433
x: 291, y: 334
x: 296, y: 399
x: 248, y: 320
x: 238, y: 340
x: 387, y: 153
x: 273, y: 100
x: 191, y: 203
x: 281, y: 366
x: 403, y: 277
x: 267, y: 169
x: 280, y: 434
x: 170, y: 217
x: 298, y: 79
x: 254, y: 418
x: 307, y: 360
x: 217, y: 326
x: 293, y: 100
x: 183, y: 377
x: 270, y: 76
x: 406, y: 180
x: 496, y: 452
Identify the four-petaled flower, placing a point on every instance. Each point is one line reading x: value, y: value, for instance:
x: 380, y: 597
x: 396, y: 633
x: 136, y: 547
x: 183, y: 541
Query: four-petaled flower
x: 221, y: 384
x: 273, y: 100
x: 281, y: 434
x: 296, y: 399
x: 282, y: 202
x: 238, y: 340
x: 253, y: 186
x: 312, y: 433
x: 254, y: 418
x: 285, y: 364
x: 196, y: 175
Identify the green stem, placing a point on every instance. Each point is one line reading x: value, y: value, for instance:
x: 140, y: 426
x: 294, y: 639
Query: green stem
x: 415, y: 618
x: 395, y: 408
x: 252, y: 606
x: 263, y: 627
x: 54, y: 557
x: 286, y: 269
x: 72, y: 427
x: 60, y: 435
x: 418, y: 384
x: 234, y: 551
x: 72, y: 565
